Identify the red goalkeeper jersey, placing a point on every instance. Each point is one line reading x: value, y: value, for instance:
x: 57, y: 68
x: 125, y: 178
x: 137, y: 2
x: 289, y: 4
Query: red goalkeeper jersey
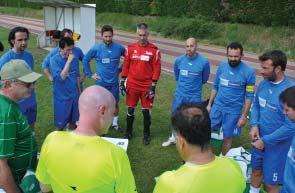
x: 142, y: 65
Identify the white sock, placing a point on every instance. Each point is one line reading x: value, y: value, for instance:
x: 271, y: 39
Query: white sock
x: 221, y: 155
x: 254, y: 190
x: 115, y: 121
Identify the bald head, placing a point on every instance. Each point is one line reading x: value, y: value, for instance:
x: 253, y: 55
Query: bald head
x: 191, y: 41
x: 191, y: 47
x: 93, y: 97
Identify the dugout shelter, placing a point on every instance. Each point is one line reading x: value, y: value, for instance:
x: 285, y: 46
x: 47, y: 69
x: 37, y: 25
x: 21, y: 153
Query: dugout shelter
x: 60, y: 14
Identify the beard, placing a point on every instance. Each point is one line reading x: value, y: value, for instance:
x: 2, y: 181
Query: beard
x: 272, y: 78
x: 234, y: 63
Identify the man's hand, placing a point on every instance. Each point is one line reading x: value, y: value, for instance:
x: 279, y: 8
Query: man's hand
x: 95, y: 76
x: 242, y: 121
x: 151, y: 93
x: 254, y: 133
x: 70, y: 58
x: 208, y: 108
x: 258, y: 144
x: 122, y: 87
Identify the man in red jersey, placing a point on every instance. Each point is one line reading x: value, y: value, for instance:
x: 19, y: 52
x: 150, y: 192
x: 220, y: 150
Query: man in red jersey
x: 141, y: 69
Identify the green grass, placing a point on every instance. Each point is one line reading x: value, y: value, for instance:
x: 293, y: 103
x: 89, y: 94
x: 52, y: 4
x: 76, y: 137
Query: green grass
x: 147, y: 162
x: 23, y: 12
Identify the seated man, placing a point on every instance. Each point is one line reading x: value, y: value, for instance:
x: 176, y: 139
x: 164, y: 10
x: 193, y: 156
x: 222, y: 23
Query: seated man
x: 81, y: 161
x: 203, y: 171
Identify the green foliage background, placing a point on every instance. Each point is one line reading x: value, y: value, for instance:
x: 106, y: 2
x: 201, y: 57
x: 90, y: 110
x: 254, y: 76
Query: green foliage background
x: 263, y: 12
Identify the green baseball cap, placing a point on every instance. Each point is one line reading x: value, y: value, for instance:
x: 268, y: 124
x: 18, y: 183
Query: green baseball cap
x: 19, y: 70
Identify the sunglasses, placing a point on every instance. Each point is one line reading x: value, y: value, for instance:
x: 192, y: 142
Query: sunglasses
x: 28, y: 85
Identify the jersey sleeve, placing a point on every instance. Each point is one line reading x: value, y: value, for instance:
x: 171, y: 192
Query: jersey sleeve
x: 3, y: 60
x: 55, y: 69
x: 126, y: 63
x: 7, y: 136
x: 206, y: 71
x: 250, y: 86
x: 165, y: 183
x: 156, y: 62
x: 46, y: 61
x: 81, y: 55
x: 285, y: 132
x: 215, y: 84
x: 86, y: 61
x: 125, y: 180
x: 176, y: 69
x: 41, y: 172
x: 255, y: 110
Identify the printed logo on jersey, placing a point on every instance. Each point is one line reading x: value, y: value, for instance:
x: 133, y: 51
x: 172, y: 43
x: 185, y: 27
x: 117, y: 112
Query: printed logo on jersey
x: 144, y: 58
x: 224, y: 82
x: 190, y: 64
x: 265, y: 104
x: 229, y: 83
x: 149, y: 53
x: 188, y: 73
x: 184, y: 72
x: 291, y: 155
x: 135, y: 56
x: 262, y: 102
x: 106, y: 60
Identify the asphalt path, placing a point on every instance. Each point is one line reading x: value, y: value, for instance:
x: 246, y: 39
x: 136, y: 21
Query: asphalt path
x: 169, y: 48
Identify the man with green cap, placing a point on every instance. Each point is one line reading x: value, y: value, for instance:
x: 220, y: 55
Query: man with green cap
x: 17, y: 142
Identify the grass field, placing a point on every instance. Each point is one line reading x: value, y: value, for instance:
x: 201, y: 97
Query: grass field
x: 147, y: 162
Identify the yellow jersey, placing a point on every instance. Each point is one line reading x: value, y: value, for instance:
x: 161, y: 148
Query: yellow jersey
x: 72, y: 163
x: 219, y: 176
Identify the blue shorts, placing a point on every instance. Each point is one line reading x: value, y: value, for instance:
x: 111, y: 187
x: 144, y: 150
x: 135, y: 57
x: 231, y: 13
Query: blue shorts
x: 30, y: 113
x: 271, y: 162
x: 114, y: 89
x: 227, y: 121
x: 178, y: 100
x: 65, y: 112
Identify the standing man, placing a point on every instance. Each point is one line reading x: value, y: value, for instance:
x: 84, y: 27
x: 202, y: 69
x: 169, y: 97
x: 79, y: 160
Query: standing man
x: 18, y: 151
x: 191, y: 71
x: 271, y: 131
x: 65, y: 74
x: 18, y: 39
x: 76, y: 51
x: 232, y: 93
x: 287, y: 97
x: 81, y: 161
x: 203, y: 171
x: 141, y: 68
x: 107, y: 56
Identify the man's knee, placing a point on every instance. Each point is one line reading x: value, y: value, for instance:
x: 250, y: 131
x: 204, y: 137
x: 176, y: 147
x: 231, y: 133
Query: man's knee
x: 271, y: 188
x: 227, y: 140
x: 130, y: 111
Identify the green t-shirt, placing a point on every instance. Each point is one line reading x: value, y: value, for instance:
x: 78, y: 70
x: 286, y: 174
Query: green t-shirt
x: 84, y: 164
x: 219, y: 176
x: 17, y: 143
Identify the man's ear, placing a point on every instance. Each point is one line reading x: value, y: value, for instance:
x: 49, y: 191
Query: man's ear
x: 6, y: 84
x: 181, y: 142
x: 102, y: 109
